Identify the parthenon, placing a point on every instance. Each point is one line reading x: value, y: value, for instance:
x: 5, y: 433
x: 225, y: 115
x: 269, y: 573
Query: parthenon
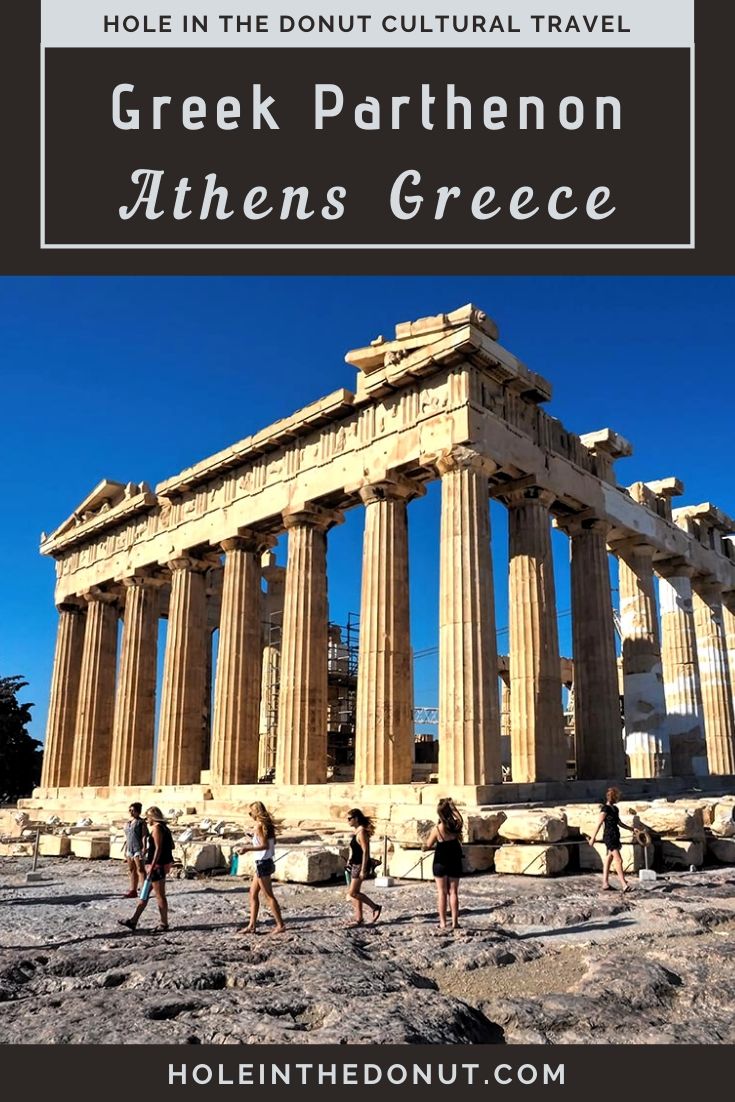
x: 443, y: 401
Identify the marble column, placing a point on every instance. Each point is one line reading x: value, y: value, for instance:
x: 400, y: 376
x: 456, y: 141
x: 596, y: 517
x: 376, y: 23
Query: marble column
x: 180, y: 750
x: 728, y: 620
x: 680, y: 663
x: 239, y: 663
x: 95, y: 709
x: 717, y: 701
x: 301, y: 751
x: 135, y: 700
x: 538, y: 745
x: 469, y: 720
x: 384, y: 713
x: 598, y: 726
x: 646, y: 735
x: 62, y: 712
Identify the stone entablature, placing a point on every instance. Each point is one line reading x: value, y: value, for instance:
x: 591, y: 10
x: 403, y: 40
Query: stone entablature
x: 443, y: 400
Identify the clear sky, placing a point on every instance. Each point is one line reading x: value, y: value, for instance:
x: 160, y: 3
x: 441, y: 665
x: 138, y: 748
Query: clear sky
x: 136, y: 378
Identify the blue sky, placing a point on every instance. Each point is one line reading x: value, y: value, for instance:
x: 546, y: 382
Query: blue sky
x: 137, y: 378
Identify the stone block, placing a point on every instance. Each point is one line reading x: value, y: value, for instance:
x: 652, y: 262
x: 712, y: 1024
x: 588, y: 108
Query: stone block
x: 676, y: 851
x: 410, y: 833
x: 117, y: 845
x: 16, y: 849
x: 200, y: 856
x: 633, y: 856
x: 54, y: 845
x: 532, y: 860
x: 410, y: 864
x: 90, y: 846
x: 304, y: 865
x: 484, y: 826
x: 722, y: 821
x: 478, y: 857
x: 534, y: 826
x: 296, y: 864
x: 721, y: 849
x: 674, y: 821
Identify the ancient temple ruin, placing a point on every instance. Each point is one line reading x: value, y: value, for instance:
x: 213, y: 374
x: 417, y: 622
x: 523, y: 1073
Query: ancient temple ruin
x: 443, y: 401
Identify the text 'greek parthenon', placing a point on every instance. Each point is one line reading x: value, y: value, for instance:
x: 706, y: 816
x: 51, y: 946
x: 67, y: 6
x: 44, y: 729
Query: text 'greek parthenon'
x: 442, y: 401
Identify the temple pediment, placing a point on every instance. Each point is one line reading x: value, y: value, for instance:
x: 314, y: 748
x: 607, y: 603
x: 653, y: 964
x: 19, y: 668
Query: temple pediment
x: 104, y: 497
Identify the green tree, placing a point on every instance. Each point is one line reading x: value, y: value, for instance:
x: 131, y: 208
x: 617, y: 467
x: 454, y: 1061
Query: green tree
x: 20, y: 755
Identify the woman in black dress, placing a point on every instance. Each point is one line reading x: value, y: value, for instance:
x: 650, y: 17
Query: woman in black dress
x: 358, y: 867
x: 610, y: 822
x: 446, y: 841
x: 158, y: 861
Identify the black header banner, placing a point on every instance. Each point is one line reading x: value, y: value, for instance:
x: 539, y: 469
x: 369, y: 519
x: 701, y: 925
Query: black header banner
x: 317, y: 148
x: 309, y: 141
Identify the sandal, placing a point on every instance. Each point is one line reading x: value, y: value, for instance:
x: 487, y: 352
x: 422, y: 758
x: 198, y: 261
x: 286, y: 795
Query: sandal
x: 128, y: 923
x: 130, y: 895
x: 159, y: 930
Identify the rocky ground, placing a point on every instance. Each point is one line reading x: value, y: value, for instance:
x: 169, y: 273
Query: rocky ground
x: 536, y: 961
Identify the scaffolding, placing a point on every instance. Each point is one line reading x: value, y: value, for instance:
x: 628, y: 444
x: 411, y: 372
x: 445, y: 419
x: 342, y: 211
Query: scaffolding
x: 342, y: 659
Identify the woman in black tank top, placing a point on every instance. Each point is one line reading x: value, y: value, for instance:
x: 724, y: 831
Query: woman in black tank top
x: 158, y: 860
x: 359, y: 866
x: 446, y: 841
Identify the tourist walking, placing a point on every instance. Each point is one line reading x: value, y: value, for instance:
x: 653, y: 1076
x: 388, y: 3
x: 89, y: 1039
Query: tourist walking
x: 610, y: 822
x: 264, y: 843
x: 446, y: 841
x: 158, y: 860
x: 136, y: 835
x: 359, y: 867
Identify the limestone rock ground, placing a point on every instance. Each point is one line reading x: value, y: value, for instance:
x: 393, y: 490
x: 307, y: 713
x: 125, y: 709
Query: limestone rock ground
x: 536, y: 961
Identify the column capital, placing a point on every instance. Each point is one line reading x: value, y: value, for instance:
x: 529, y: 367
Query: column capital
x: 71, y: 604
x: 311, y: 516
x: 676, y: 567
x: 460, y: 457
x: 187, y: 562
x: 516, y: 495
x: 94, y: 593
x: 586, y: 521
x: 390, y: 488
x: 143, y: 581
x: 248, y: 539
x: 632, y: 545
x: 707, y: 587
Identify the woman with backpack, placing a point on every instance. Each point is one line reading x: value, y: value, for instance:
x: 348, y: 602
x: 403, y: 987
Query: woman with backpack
x: 158, y: 860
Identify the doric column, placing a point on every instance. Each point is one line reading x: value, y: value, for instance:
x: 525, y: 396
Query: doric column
x: 93, y: 734
x: 646, y: 736
x: 717, y: 702
x: 680, y: 664
x: 237, y: 686
x: 301, y: 751
x: 135, y: 699
x: 180, y: 750
x: 62, y: 710
x: 597, y: 723
x: 384, y: 725
x: 469, y: 721
x: 538, y: 745
x: 728, y: 620
x: 269, y: 684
